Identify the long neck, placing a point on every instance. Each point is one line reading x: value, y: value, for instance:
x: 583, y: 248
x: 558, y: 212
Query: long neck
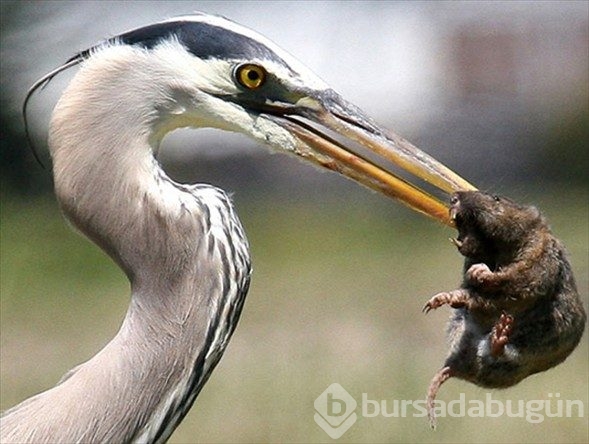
x: 183, y: 250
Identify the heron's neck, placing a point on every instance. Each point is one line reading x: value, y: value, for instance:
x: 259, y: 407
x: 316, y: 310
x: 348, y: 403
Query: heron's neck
x: 164, y: 235
x: 182, y: 248
x: 106, y: 178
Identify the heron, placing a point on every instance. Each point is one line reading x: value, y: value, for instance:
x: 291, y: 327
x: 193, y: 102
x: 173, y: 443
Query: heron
x: 183, y: 247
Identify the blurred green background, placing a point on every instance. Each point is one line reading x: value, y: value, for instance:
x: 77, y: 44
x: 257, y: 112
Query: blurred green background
x: 340, y: 274
x: 336, y: 297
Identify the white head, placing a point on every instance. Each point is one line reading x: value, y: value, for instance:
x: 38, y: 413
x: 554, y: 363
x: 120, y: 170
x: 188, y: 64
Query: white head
x: 206, y: 71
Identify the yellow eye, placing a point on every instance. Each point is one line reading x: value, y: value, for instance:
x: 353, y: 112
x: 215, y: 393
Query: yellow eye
x: 250, y: 76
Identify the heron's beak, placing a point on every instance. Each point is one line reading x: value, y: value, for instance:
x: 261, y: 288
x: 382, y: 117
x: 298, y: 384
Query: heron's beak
x: 310, y: 117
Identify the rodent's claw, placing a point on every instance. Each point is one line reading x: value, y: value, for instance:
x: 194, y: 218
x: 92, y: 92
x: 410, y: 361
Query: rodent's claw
x: 457, y: 243
x: 455, y: 298
x: 436, y: 302
x: 500, y: 334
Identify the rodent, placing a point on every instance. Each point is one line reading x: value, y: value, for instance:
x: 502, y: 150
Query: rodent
x: 518, y: 311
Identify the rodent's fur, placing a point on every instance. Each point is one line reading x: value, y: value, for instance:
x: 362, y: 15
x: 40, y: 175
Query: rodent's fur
x: 518, y: 311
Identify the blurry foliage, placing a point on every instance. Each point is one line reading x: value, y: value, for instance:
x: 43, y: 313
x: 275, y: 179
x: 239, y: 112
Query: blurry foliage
x: 565, y: 155
x: 19, y: 173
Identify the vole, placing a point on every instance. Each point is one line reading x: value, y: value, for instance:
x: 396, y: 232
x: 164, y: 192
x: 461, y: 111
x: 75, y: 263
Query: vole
x: 518, y: 311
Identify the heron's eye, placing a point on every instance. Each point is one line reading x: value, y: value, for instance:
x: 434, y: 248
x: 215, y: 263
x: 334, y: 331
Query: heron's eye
x: 250, y: 76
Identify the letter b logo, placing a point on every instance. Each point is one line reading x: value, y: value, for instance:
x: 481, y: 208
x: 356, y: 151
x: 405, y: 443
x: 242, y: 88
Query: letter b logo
x: 335, y: 410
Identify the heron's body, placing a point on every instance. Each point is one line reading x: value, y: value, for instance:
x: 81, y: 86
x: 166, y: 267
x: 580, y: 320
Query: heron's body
x: 182, y: 247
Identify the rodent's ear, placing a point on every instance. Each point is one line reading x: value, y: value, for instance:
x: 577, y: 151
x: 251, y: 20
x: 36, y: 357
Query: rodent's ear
x: 534, y: 213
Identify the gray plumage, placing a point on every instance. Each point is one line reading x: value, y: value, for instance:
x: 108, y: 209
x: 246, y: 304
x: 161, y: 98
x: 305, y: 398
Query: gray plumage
x: 183, y: 309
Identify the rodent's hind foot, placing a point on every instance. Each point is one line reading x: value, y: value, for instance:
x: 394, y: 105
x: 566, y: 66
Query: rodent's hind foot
x: 434, y: 386
x: 454, y: 298
x: 500, y: 334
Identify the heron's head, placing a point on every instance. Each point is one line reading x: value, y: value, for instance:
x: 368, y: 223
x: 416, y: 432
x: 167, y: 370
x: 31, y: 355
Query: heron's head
x: 220, y: 74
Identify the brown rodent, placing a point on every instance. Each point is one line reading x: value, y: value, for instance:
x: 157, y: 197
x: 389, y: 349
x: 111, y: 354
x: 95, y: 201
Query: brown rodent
x: 518, y: 311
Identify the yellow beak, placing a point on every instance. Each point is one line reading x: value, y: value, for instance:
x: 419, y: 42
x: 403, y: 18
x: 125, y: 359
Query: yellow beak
x: 344, y: 120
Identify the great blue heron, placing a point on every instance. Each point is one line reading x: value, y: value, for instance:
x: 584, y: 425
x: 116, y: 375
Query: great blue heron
x: 183, y: 247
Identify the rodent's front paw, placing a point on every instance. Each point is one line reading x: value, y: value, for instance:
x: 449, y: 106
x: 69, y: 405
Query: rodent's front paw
x: 479, y: 273
x: 436, y: 302
x: 455, y: 298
